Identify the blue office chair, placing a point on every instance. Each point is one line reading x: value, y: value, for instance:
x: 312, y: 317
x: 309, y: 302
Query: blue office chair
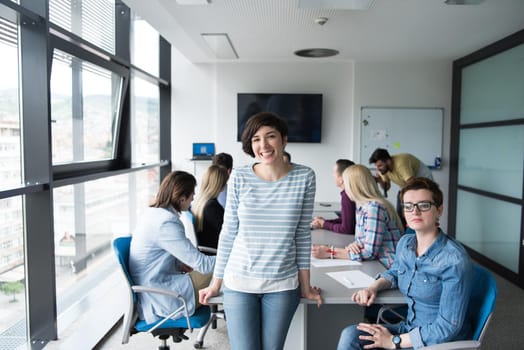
x: 188, y: 220
x: 164, y: 328
x: 480, y: 310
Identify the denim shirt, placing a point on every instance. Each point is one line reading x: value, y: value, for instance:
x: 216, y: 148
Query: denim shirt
x: 437, y: 287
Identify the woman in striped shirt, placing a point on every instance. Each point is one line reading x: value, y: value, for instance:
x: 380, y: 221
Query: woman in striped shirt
x: 264, y: 248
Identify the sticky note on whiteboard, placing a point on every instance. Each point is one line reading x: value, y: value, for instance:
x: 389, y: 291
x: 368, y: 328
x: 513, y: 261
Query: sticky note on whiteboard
x: 396, y: 145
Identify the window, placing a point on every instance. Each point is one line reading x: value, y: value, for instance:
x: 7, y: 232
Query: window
x: 85, y: 101
x: 145, y: 137
x: 91, y: 20
x: 144, y: 46
x: 10, y: 152
x: 87, y: 216
x: 12, y: 274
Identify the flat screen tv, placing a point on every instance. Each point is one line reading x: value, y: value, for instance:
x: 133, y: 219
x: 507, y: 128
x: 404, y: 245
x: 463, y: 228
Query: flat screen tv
x: 303, y: 113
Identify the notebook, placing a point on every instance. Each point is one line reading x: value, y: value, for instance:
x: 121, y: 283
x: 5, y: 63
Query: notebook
x: 203, y: 151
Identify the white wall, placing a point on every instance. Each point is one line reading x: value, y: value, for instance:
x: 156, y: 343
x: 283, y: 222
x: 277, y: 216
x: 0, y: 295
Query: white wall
x: 333, y: 80
x: 407, y: 84
x: 204, y: 107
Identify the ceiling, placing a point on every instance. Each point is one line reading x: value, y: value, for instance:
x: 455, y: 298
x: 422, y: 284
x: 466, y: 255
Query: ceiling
x: 390, y: 30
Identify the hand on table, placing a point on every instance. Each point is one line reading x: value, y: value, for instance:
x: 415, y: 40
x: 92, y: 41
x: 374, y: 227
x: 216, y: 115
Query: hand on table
x: 313, y: 293
x: 320, y: 251
x: 318, y: 222
x: 354, y: 248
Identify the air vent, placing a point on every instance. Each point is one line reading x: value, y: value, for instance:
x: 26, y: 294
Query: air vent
x: 316, y: 53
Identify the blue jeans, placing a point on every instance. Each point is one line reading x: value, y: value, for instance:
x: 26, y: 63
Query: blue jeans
x: 349, y: 337
x: 259, y: 321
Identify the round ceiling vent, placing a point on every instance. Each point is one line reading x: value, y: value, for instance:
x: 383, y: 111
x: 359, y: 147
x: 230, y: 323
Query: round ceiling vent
x: 316, y: 53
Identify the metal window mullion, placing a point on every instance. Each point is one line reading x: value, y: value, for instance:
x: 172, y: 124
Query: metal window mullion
x: 38, y: 207
x: 165, y: 104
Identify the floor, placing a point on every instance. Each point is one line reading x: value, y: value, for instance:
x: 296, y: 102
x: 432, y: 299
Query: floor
x: 215, y: 339
x: 504, y: 332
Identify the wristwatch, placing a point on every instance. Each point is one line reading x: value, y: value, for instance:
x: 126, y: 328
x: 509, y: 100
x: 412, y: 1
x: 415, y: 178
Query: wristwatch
x: 396, y: 341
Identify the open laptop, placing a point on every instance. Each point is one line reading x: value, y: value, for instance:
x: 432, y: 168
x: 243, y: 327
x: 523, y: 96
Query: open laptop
x: 203, y: 151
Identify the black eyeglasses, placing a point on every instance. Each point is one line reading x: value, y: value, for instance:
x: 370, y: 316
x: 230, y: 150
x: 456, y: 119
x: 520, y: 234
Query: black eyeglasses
x: 421, y: 206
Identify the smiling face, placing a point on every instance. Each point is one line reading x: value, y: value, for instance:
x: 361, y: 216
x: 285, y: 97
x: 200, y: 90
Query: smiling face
x: 267, y: 145
x: 422, y: 221
x: 383, y: 166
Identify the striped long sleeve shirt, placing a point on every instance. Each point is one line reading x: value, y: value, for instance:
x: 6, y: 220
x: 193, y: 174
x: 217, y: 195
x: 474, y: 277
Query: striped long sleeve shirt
x: 265, y: 237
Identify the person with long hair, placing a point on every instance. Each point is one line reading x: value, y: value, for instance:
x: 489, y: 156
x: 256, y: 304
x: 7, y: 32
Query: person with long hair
x: 161, y: 255
x: 431, y: 270
x: 225, y: 160
x: 208, y: 212
x: 378, y: 227
x: 263, y: 256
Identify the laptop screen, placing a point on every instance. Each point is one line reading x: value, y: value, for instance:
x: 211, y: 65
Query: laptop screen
x: 203, y: 149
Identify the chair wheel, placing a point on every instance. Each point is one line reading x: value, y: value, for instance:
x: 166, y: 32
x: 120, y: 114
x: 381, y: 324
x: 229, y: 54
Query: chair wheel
x: 198, y: 344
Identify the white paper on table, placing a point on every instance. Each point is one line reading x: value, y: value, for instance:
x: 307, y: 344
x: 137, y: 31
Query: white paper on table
x: 352, y: 279
x: 333, y: 262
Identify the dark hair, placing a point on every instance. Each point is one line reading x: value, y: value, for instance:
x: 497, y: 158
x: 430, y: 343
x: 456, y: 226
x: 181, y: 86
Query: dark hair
x: 223, y: 159
x: 286, y: 153
x: 342, y: 164
x: 175, y: 185
x: 422, y: 183
x: 379, y: 154
x: 257, y: 121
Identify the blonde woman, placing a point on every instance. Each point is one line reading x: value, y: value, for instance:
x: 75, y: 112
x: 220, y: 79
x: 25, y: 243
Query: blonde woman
x: 378, y: 226
x: 208, y: 212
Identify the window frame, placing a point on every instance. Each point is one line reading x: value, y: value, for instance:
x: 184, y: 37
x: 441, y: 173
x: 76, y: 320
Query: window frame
x: 63, y: 171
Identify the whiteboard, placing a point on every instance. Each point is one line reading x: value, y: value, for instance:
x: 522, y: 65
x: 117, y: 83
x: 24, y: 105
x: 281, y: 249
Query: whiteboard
x: 402, y: 130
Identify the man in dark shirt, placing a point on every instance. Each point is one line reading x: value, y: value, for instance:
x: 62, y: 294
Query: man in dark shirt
x: 346, y: 222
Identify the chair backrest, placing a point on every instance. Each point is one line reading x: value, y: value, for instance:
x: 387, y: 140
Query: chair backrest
x: 188, y: 220
x: 482, y: 302
x: 121, y: 247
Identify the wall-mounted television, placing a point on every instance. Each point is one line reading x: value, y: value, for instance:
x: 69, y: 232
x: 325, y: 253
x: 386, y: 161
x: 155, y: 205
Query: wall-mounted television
x: 303, y: 113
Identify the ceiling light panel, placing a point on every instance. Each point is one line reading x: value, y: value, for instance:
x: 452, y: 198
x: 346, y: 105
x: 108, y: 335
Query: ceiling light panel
x: 220, y: 44
x: 193, y: 2
x: 336, y: 4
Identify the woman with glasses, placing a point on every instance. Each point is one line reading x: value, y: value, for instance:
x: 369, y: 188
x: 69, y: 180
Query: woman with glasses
x: 431, y: 270
x: 378, y: 227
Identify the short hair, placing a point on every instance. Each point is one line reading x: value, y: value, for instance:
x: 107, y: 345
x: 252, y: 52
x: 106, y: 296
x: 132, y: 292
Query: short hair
x: 223, y: 159
x: 286, y: 153
x: 257, y: 121
x: 379, y: 154
x: 342, y: 164
x: 175, y: 185
x: 423, y: 183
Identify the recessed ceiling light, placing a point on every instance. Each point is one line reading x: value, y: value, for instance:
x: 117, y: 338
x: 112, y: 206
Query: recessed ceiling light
x: 220, y: 44
x: 316, y: 53
x: 336, y: 4
x: 193, y: 2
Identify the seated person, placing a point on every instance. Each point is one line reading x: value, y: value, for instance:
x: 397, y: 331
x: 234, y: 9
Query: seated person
x: 208, y: 212
x: 378, y: 227
x: 431, y: 270
x: 346, y: 222
x: 225, y: 160
x: 161, y: 255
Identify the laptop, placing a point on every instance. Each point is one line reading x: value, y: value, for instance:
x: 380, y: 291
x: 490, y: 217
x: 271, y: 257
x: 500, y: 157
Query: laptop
x: 203, y: 151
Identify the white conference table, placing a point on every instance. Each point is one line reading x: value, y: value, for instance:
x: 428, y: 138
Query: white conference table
x: 319, y: 328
